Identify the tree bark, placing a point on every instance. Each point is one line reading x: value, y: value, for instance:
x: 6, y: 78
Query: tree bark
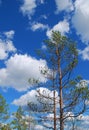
x: 61, y: 103
x: 54, y: 101
x: 60, y: 91
x: 54, y: 111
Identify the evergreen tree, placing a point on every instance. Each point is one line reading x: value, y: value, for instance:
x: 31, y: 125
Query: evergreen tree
x: 61, y: 56
x: 19, y: 121
x: 3, y: 111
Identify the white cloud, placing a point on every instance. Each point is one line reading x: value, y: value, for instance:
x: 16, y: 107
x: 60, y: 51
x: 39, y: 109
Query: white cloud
x: 19, y: 68
x: 26, y: 98
x: 38, y: 26
x: 6, y: 45
x: 9, y: 34
x: 80, y: 19
x: 83, y: 83
x: 32, y: 97
x: 39, y: 127
x: 28, y: 7
x: 3, y: 53
x: 66, y: 5
x: 84, y: 53
x: 62, y: 26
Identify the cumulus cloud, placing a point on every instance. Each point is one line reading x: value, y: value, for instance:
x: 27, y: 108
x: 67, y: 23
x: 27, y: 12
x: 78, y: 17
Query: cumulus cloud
x: 38, y: 26
x: 84, y: 53
x: 26, y: 98
x: 32, y: 97
x: 28, y: 7
x: 19, y: 68
x: 62, y: 26
x: 6, y: 45
x: 80, y: 19
x: 66, y: 5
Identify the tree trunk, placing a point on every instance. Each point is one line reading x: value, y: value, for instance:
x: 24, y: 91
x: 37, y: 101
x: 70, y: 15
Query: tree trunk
x: 54, y: 101
x: 54, y: 112
x: 61, y: 104
x: 60, y: 91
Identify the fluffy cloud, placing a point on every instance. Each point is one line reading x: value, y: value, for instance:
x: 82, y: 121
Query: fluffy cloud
x: 28, y: 7
x: 9, y: 34
x: 38, y: 26
x: 84, y: 53
x: 6, y: 45
x: 80, y: 19
x: 19, y: 68
x: 32, y: 97
x: 28, y: 97
x: 62, y: 26
x: 66, y: 5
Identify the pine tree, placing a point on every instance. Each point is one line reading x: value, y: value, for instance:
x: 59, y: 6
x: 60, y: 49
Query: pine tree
x: 19, y: 121
x: 3, y: 111
x: 61, y: 56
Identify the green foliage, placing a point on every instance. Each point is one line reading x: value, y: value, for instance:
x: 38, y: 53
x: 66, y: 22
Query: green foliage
x: 19, y: 122
x: 6, y: 127
x: 3, y: 109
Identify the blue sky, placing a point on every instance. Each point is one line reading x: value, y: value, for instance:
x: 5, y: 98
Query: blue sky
x: 23, y: 27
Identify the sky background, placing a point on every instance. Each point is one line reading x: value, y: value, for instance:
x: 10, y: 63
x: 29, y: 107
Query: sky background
x: 24, y: 24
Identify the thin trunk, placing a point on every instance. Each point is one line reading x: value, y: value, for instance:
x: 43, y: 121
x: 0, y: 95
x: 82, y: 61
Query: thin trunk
x: 61, y: 100
x: 54, y: 100
x: 54, y: 112
x: 60, y: 91
x: 61, y: 104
